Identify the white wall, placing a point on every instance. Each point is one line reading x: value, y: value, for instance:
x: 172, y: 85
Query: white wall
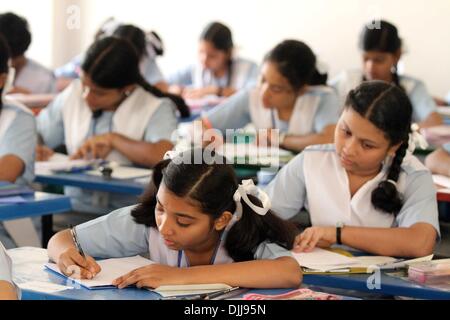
x: 40, y: 18
x: 330, y: 27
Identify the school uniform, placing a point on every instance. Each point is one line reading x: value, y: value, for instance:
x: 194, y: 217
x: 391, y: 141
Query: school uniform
x: 36, y: 78
x: 118, y: 235
x: 68, y: 120
x: 18, y: 138
x: 149, y: 69
x: 315, y: 180
x: 422, y: 102
x: 6, y: 268
x: 244, y: 74
x: 314, y: 110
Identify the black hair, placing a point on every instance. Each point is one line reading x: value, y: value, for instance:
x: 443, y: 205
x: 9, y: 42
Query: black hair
x: 4, y: 58
x: 16, y: 31
x: 211, y: 184
x: 113, y: 63
x: 222, y: 39
x: 388, y: 108
x: 382, y: 37
x: 135, y: 35
x: 297, y: 63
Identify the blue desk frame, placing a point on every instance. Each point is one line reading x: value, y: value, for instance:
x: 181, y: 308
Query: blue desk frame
x: 38, y: 204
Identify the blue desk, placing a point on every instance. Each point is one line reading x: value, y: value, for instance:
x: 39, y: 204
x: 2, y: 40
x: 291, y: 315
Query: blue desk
x: 28, y: 265
x: 389, y: 285
x: 85, y: 181
x: 37, y: 205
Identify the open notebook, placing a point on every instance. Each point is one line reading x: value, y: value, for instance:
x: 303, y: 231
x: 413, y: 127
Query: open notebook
x: 114, y: 268
x: 326, y: 261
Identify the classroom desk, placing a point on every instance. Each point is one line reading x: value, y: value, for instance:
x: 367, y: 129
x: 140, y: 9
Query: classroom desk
x: 85, y: 181
x: 37, y: 204
x: 389, y: 285
x: 130, y: 187
x: 28, y: 265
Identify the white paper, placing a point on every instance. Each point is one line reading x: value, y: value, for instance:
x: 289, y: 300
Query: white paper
x: 323, y: 260
x: 59, y: 162
x: 120, y: 172
x: 111, y: 270
x: 189, y: 289
x: 40, y: 286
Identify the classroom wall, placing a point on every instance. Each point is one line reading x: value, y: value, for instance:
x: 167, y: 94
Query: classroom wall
x: 40, y: 18
x: 330, y: 27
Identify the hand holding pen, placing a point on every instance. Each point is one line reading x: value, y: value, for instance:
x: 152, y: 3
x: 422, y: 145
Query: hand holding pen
x: 74, y: 263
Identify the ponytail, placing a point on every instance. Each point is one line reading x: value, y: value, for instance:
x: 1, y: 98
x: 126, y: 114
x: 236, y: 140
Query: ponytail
x: 318, y: 79
x: 253, y: 229
x: 179, y: 102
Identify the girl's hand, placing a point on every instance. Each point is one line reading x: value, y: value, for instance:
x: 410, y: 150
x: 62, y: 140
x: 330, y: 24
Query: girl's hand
x: 268, y: 138
x: 322, y: 237
x: 43, y: 153
x: 197, y: 93
x: 97, y: 147
x: 151, y: 276
x: 72, y: 264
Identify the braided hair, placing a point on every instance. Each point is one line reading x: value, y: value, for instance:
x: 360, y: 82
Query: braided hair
x: 388, y: 108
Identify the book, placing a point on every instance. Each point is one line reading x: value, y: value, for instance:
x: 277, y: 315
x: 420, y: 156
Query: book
x: 8, y: 189
x: 112, y: 269
x: 321, y: 261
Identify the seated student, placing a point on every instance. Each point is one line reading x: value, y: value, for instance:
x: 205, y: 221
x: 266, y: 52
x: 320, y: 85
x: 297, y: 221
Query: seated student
x: 197, y: 224
x: 381, y: 51
x: 366, y: 191
x: 17, y: 144
x: 110, y: 113
x: 218, y: 72
x: 292, y: 98
x: 31, y: 77
x: 149, y: 46
x: 8, y: 291
x: 439, y: 160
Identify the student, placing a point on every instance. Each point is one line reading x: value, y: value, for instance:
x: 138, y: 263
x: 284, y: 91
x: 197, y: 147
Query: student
x: 439, y: 160
x: 111, y: 112
x: 197, y: 224
x: 17, y: 145
x: 218, y: 72
x: 381, y: 51
x: 8, y: 291
x: 291, y: 97
x: 31, y: 77
x: 366, y: 191
x: 149, y: 46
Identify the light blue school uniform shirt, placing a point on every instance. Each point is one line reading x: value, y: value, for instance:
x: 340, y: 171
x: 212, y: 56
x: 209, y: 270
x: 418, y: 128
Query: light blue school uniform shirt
x: 422, y: 102
x: 289, y: 191
x: 161, y: 126
x: 234, y: 112
x: 244, y: 75
x: 20, y: 140
x: 148, y: 67
x: 117, y: 235
x: 36, y: 78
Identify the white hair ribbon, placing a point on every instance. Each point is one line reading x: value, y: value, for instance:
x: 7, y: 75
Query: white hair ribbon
x: 170, y: 155
x: 416, y: 139
x: 248, y: 187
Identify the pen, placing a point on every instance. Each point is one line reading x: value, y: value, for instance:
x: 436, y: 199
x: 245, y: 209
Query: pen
x: 73, y: 232
x: 202, y: 296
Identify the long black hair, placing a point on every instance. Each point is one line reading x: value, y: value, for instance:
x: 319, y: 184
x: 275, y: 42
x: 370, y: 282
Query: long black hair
x: 220, y: 36
x: 4, y: 58
x: 382, y: 38
x: 113, y: 63
x: 17, y: 33
x: 211, y: 184
x: 297, y: 63
x: 388, y: 108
